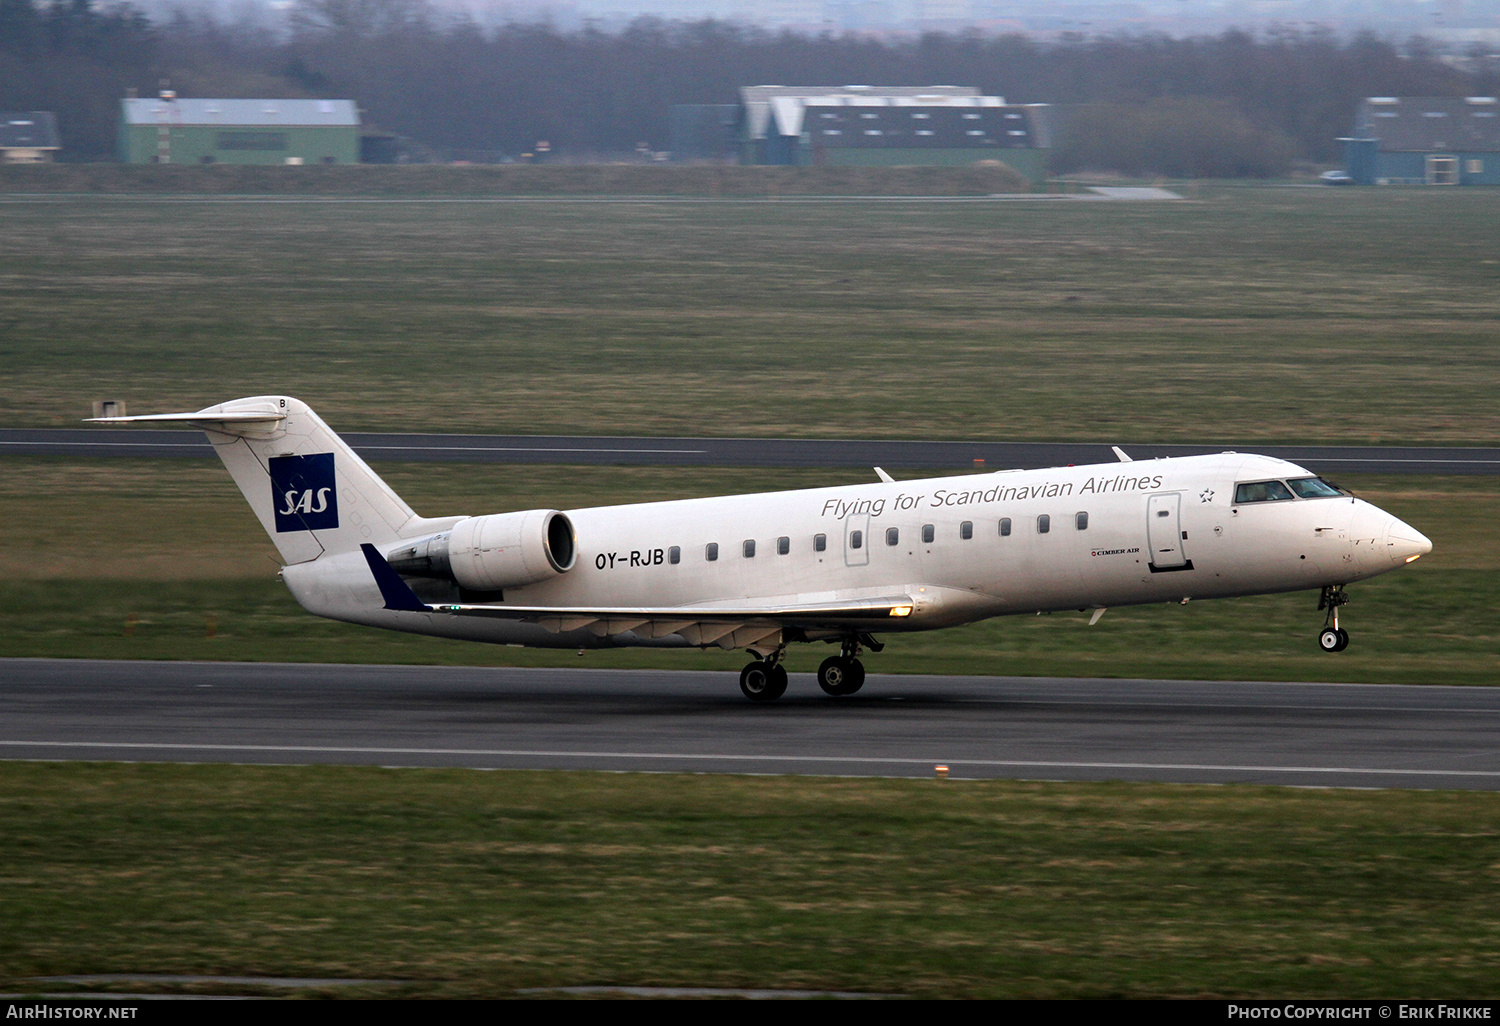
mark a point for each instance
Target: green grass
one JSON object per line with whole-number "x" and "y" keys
{"x": 162, "y": 560}
{"x": 468, "y": 884}
{"x": 1245, "y": 315}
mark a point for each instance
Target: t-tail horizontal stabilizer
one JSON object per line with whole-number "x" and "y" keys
{"x": 396, "y": 592}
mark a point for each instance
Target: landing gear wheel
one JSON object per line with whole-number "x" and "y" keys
{"x": 763, "y": 682}
{"x": 1333, "y": 638}
{"x": 841, "y": 675}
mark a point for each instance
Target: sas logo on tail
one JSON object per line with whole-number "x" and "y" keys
{"x": 303, "y": 493}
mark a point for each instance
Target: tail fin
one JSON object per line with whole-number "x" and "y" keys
{"x": 312, "y": 493}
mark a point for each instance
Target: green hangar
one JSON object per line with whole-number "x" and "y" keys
{"x": 1425, "y": 140}
{"x": 167, "y": 130}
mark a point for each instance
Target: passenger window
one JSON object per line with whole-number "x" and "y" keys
{"x": 1261, "y": 491}
{"x": 966, "y": 530}
{"x": 1081, "y": 521}
{"x": 856, "y": 539}
{"x": 674, "y": 555}
{"x": 749, "y": 548}
{"x": 1005, "y": 527}
{"x": 711, "y": 552}
{"x": 783, "y": 545}
{"x": 820, "y": 542}
{"x": 893, "y": 536}
{"x": 1043, "y": 524}
{"x": 929, "y": 532}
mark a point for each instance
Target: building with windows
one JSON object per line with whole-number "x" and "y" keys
{"x": 887, "y": 126}
{"x": 28, "y": 137}
{"x": 1428, "y": 140}
{"x": 168, "y": 130}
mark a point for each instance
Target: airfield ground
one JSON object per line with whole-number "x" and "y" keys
{"x": 470, "y": 884}
{"x": 1244, "y": 315}
{"x": 1247, "y": 314}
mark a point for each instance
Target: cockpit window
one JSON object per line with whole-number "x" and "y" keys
{"x": 1312, "y": 488}
{"x": 1261, "y": 491}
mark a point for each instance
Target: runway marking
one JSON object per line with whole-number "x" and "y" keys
{"x": 206, "y": 447}
{"x": 526, "y": 448}
{"x": 197, "y": 444}
{"x": 875, "y": 761}
{"x": 1384, "y": 459}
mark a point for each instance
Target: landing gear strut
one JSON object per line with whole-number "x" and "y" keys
{"x": 1332, "y": 638}
{"x": 842, "y": 674}
{"x": 765, "y": 679}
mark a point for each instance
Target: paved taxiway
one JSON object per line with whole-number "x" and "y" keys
{"x": 1346, "y": 735}
{"x": 752, "y": 452}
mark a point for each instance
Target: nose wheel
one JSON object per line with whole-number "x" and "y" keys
{"x": 1332, "y": 638}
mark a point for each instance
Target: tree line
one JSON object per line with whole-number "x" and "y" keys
{"x": 1232, "y": 104}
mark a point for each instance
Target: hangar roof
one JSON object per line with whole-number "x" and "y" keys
{"x": 1424, "y": 123}
{"x": 302, "y": 113}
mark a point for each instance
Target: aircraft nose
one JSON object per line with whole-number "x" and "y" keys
{"x": 1405, "y": 543}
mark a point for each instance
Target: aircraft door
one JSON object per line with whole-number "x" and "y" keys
{"x": 857, "y": 540}
{"x": 1164, "y": 532}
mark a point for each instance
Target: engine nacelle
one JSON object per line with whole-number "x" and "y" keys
{"x": 492, "y": 553}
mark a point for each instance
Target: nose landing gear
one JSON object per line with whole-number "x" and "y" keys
{"x": 1332, "y": 638}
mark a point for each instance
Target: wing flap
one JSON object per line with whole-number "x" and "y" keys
{"x": 731, "y": 626}
{"x": 791, "y": 613}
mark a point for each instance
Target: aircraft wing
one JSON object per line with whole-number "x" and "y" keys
{"x": 699, "y": 625}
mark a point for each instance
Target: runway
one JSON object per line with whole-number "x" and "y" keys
{"x": 754, "y": 452}
{"x": 1336, "y": 735}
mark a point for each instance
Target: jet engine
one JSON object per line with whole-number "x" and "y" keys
{"x": 492, "y": 553}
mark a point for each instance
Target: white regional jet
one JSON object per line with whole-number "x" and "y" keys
{"x": 760, "y": 572}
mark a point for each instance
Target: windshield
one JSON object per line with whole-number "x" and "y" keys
{"x": 1313, "y": 488}
{"x": 1261, "y": 491}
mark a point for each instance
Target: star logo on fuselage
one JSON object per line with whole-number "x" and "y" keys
{"x": 1207, "y": 495}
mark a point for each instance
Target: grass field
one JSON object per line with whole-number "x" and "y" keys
{"x": 1244, "y": 315}
{"x": 468, "y": 884}
{"x": 163, "y": 560}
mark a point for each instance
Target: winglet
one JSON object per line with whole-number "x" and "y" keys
{"x": 880, "y": 473}
{"x": 1121, "y": 454}
{"x": 396, "y": 592}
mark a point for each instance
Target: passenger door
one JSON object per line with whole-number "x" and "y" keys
{"x": 1164, "y": 532}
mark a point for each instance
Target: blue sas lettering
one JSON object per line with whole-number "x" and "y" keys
{"x": 304, "y": 496}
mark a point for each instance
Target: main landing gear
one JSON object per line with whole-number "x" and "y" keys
{"x": 842, "y": 674}
{"x": 1332, "y": 638}
{"x": 765, "y": 679}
